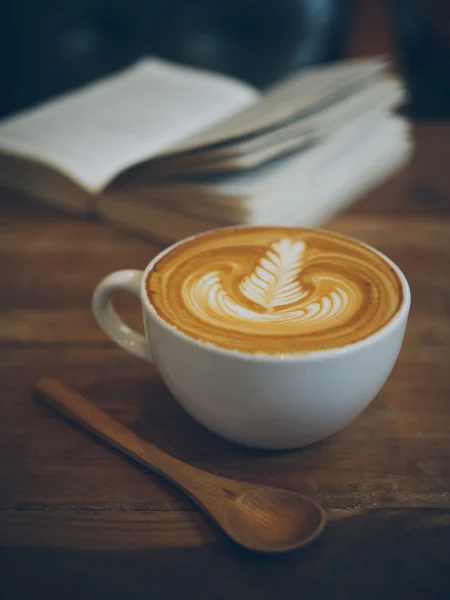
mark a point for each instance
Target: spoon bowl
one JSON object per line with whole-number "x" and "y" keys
{"x": 270, "y": 519}
{"x": 257, "y": 517}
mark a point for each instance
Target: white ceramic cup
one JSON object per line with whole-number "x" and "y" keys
{"x": 272, "y": 402}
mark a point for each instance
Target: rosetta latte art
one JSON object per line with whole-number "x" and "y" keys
{"x": 289, "y": 294}
{"x": 274, "y": 284}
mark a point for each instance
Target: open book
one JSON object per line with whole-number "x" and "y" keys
{"x": 171, "y": 150}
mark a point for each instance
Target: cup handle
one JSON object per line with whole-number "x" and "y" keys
{"x": 107, "y": 318}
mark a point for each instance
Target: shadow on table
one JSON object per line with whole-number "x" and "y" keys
{"x": 147, "y": 407}
{"x": 380, "y": 555}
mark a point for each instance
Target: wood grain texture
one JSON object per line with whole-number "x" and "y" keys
{"x": 382, "y": 554}
{"x": 396, "y": 453}
{"x": 77, "y": 521}
{"x": 260, "y": 518}
{"x": 65, "y": 498}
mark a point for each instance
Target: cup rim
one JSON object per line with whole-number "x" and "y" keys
{"x": 309, "y": 356}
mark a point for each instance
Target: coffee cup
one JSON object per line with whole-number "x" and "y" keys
{"x": 273, "y": 374}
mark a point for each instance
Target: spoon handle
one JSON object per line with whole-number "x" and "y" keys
{"x": 82, "y": 412}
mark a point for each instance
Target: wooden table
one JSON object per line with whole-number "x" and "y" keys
{"x": 79, "y": 521}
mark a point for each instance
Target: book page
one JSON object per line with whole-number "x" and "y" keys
{"x": 300, "y": 96}
{"x": 249, "y": 152}
{"x": 232, "y": 192}
{"x": 94, "y": 133}
{"x": 307, "y": 199}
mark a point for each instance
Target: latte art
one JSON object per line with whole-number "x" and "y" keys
{"x": 275, "y": 280}
{"x": 275, "y": 287}
{"x": 274, "y": 290}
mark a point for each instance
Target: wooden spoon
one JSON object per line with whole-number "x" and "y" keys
{"x": 258, "y": 517}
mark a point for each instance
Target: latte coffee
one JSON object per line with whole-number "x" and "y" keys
{"x": 274, "y": 290}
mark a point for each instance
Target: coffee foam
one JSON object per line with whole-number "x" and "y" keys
{"x": 274, "y": 290}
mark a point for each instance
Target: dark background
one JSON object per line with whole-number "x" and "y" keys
{"x": 49, "y": 46}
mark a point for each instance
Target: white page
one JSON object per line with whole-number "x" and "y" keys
{"x": 293, "y": 97}
{"x": 94, "y": 133}
{"x": 260, "y": 185}
{"x": 384, "y": 95}
{"x": 330, "y": 177}
{"x": 313, "y": 196}
{"x": 254, "y": 185}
